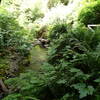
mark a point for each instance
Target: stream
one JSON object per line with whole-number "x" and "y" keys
{"x": 37, "y": 57}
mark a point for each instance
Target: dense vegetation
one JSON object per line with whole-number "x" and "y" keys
{"x": 60, "y": 28}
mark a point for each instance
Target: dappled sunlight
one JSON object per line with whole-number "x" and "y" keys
{"x": 58, "y": 12}
{"x": 62, "y": 12}
{"x": 50, "y": 50}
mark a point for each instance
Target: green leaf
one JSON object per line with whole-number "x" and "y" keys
{"x": 83, "y": 92}
{"x": 79, "y": 86}
{"x": 74, "y": 70}
{"x": 83, "y": 89}
{"x": 63, "y": 81}
{"x": 90, "y": 90}
{"x": 97, "y": 80}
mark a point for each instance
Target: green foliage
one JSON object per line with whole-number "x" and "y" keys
{"x": 90, "y": 14}
{"x": 79, "y": 40}
{"x": 76, "y": 57}
{"x": 30, "y": 85}
{"x": 52, "y": 3}
{"x": 65, "y": 2}
{"x": 4, "y": 66}
{"x": 13, "y": 40}
{"x": 6, "y": 2}
{"x": 18, "y": 96}
{"x": 73, "y": 72}
{"x": 13, "y": 97}
{"x": 83, "y": 90}
{"x": 73, "y": 68}
{"x": 12, "y": 36}
{"x": 26, "y": 12}
{"x": 33, "y": 14}
{"x": 57, "y": 30}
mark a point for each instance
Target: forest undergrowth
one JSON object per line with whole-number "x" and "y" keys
{"x": 50, "y": 50}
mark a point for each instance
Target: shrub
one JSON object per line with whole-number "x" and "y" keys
{"x": 76, "y": 60}
{"x": 82, "y": 41}
{"x": 30, "y": 86}
{"x": 33, "y": 14}
{"x": 72, "y": 72}
{"x": 12, "y": 36}
{"x": 90, "y": 14}
{"x": 57, "y": 30}
{"x": 27, "y": 14}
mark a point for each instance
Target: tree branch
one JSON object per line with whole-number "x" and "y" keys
{"x": 3, "y": 86}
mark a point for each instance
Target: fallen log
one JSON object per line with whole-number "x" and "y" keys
{"x": 42, "y": 42}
